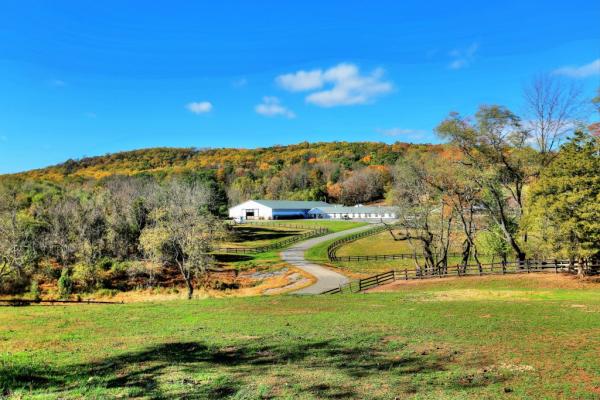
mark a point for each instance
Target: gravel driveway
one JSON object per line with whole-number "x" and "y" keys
{"x": 326, "y": 278}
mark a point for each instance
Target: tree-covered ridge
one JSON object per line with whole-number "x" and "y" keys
{"x": 167, "y": 160}
{"x": 341, "y": 172}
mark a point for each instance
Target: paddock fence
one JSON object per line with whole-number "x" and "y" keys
{"x": 500, "y": 268}
{"x": 335, "y": 245}
{"x": 273, "y": 246}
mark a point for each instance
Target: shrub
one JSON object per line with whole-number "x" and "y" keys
{"x": 65, "y": 284}
{"x": 85, "y": 276}
{"x": 34, "y": 291}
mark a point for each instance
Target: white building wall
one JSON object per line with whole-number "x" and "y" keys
{"x": 241, "y": 211}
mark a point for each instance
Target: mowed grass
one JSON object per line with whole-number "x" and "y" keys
{"x": 382, "y": 244}
{"x": 498, "y": 337}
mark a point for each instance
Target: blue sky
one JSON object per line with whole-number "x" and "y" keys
{"x": 83, "y": 78}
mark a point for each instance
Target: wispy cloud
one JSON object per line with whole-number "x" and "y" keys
{"x": 271, "y": 107}
{"x": 57, "y": 83}
{"x": 238, "y": 83}
{"x": 462, "y": 58}
{"x": 201, "y": 107}
{"x": 582, "y": 71}
{"x": 346, "y": 85}
{"x": 394, "y": 132}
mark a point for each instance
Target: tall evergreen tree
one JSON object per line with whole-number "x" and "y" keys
{"x": 567, "y": 199}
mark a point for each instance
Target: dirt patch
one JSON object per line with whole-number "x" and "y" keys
{"x": 296, "y": 281}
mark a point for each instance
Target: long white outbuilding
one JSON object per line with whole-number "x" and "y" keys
{"x": 356, "y": 212}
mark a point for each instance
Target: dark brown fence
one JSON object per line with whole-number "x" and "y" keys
{"x": 500, "y": 268}
{"x": 381, "y": 257}
{"x": 334, "y": 246}
{"x": 273, "y": 246}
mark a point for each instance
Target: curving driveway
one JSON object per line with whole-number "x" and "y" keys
{"x": 326, "y": 278}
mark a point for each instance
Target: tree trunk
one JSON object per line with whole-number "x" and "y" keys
{"x": 581, "y": 268}
{"x": 190, "y": 288}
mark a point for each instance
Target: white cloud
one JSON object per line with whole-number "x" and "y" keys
{"x": 402, "y": 132}
{"x": 201, "y": 107}
{"x": 583, "y": 71}
{"x": 271, "y": 107}
{"x": 347, "y": 85}
{"x": 301, "y": 80}
{"x": 463, "y": 57}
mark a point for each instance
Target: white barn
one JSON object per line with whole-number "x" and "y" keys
{"x": 273, "y": 209}
{"x": 356, "y": 212}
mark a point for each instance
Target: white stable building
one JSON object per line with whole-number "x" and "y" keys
{"x": 356, "y": 212}
{"x": 273, "y": 209}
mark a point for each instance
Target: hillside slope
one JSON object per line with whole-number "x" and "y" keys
{"x": 341, "y": 171}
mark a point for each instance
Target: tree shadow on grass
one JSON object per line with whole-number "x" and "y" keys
{"x": 255, "y": 234}
{"x": 147, "y": 371}
{"x": 227, "y": 258}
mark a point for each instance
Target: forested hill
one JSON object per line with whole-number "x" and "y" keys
{"x": 168, "y": 159}
{"x": 341, "y": 171}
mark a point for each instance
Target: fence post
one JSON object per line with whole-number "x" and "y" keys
{"x": 555, "y": 266}
{"x": 527, "y": 265}
{"x": 503, "y": 268}
{"x": 405, "y": 274}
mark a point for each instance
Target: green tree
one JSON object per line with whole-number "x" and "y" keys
{"x": 567, "y": 199}
{"x": 495, "y": 148}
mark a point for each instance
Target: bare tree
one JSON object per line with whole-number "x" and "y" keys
{"x": 424, "y": 216}
{"x": 182, "y": 231}
{"x": 554, "y": 107}
{"x": 16, "y": 252}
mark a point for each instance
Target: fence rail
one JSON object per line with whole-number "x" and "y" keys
{"x": 273, "y": 246}
{"x": 500, "y": 268}
{"x": 334, "y": 246}
{"x": 373, "y": 257}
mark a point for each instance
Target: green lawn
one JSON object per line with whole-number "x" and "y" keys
{"x": 461, "y": 339}
{"x": 380, "y": 244}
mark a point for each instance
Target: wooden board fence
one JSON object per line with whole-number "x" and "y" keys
{"x": 500, "y": 268}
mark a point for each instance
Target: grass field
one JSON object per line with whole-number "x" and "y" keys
{"x": 498, "y": 337}
{"x": 379, "y": 244}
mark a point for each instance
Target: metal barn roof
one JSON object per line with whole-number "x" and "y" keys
{"x": 291, "y": 204}
{"x": 352, "y": 210}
